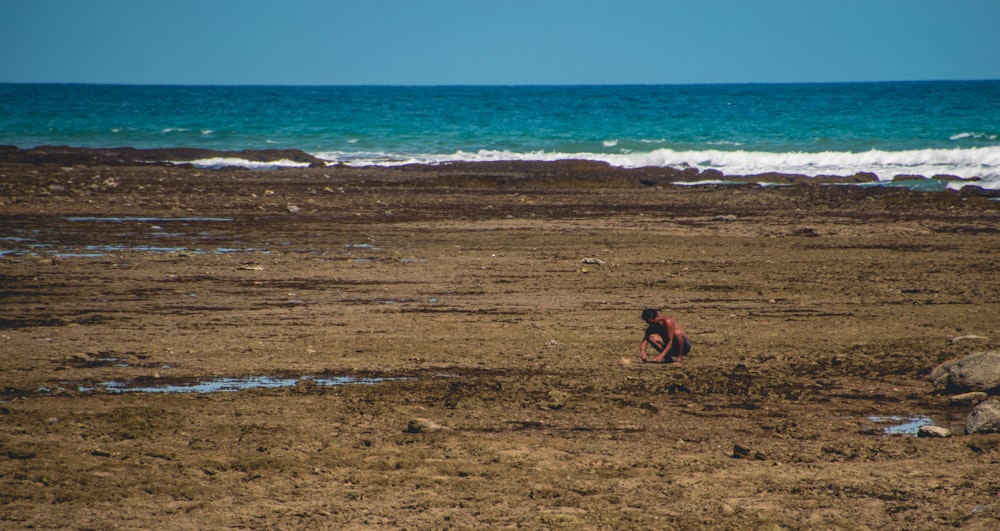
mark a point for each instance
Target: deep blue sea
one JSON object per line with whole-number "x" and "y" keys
{"x": 925, "y": 128}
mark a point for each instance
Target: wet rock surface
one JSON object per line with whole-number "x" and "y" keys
{"x": 457, "y": 293}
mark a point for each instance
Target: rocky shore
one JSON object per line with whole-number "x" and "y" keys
{"x": 457, "y": 347}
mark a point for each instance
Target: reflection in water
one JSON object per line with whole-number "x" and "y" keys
{"x": 900, "y": 425}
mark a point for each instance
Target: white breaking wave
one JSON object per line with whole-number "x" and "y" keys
{"x": 223, "y": 162}
{"x": 974, "y": 136}
{"x": 972, "y": 163}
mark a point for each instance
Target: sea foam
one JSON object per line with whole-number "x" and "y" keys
{"x": 970, "y": 163}
{"x": 223, "y": 162}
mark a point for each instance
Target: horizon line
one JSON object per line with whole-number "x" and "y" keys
{"x": 490, "y": 85}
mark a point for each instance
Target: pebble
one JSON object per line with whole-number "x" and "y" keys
{"x": 742, "y": 452}
{"x": 967, "y": 337}
{"x": 422, "y": 425}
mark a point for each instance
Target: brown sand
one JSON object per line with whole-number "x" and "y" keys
{"x": 521, "y": 401}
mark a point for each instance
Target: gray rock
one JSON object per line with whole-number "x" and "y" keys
{"x": 967, "y": 399}
{"x": 975, "y": 372}
{"x": 933, "y": 432}
{"x": 985, "y": 418}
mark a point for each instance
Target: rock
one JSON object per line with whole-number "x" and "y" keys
{"x": 421, "y": 425}
{"x": 728, "y": 218}
{"x": 292, "y": 209}
{"x": 985, "y": 418}
{"x": 557, "y": 399}
{"x": 742, "y": 452}
{"x": 968, "y": 337}
{"x": 933, "y": 432}
{"x": 969, "y": 399}
{"x": 865, "y": 177}
{"x": 975, "y": 372}
{"x": 592, "y": 261}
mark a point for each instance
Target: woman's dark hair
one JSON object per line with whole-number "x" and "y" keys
{"x": 648, "y": 314}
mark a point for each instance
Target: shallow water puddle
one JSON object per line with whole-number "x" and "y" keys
{"x": 32, "y": 242}
{"x": 99, "y": 251}
{"x": 229, "y": 385}
{"x": 901, "y": 425}
{"x": 361, "y": 246}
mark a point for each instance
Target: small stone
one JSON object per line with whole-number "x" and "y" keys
{"x": 557, "y": 399}
{"x": 933, "y": 432}
{"x": 969, "y": 337}
{"x": 740, "y": 452}
{"x": 422, "y": 425}
{"x": 292, "y": 209}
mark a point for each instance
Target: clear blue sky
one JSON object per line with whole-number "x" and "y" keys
{"x": 496, "y": 42}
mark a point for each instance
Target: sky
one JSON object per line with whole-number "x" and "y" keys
{"x": 496, "y": 42}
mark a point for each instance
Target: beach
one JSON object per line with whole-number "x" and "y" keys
{"x": 456, "y": 346}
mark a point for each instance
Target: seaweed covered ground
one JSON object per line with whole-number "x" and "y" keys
{"x": 457, "y": 347}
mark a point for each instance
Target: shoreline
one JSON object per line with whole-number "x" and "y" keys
{"x": 650, "y": 175}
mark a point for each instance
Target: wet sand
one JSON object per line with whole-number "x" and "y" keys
{"x": 487, "y": 317}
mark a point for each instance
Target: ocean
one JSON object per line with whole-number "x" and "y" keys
{"x": 889, "y": 129}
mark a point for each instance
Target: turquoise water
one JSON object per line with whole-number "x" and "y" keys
{"x": 924, "y": 128}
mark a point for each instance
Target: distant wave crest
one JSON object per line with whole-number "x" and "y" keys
{"x": 974, "y": 136}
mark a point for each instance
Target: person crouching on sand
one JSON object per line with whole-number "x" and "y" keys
{"x": 666, "y": 336}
